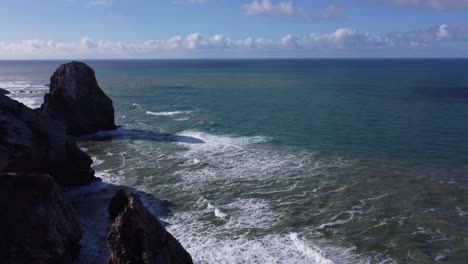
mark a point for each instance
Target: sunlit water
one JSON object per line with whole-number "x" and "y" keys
{"x": 289, "y": 161}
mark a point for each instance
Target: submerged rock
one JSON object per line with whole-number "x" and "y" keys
{"x": 137, "y": 237}
{"x": 34, "y": 143}
{"x": 3, "y": 91}
{"x": 37, "y": 225}
{"x": 76, "y": 99}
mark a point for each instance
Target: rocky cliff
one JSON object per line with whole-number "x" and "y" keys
{"x": 36, "y": 224}
{"x": 34, "y": 143}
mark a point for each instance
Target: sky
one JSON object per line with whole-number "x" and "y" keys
{"x": 152, "y": 29}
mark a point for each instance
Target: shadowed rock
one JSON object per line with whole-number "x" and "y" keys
{"x": 76, "y": 99}
{"x": 3, "y": 91}
{"x": 117, "y": 203}
{"x": 36, "y": 224}
{"x": 34, "y": 143}
{"x": 138, "y": 237}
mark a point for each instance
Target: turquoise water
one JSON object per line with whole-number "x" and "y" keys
{"x": 289, "y": 161}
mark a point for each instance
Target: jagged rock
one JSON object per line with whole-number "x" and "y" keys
{"x": 3, "y": 91}
{"x": 34, "y": 143}
{"x": 137, "y": 237}
{"x": 76, "y": 99}
{"x": 117, "y": 204}
{"x": 36, "y": 224}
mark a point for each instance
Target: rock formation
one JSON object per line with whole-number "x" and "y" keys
{"x": 37, "y": 225}
{"x": 118, "y": 203}
{"x": 137, "y": 237}
{"x": 34, "y": 143}
{"x": 76, "y": 99}
{"x": 3, "y": 91}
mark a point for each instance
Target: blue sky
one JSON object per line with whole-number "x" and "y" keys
{"x": 64, "y": 29}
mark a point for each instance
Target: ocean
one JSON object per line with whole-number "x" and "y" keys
{"x": 287, "y": 161}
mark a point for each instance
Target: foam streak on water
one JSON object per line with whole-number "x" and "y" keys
{"x": 25, "y": 92}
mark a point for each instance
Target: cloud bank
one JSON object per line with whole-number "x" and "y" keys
{"x": 344, "y": 42}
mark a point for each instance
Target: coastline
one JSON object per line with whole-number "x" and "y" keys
{"x": 41, "y": 142}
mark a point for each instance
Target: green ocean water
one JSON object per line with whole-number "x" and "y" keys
{"x": 289, "y": 161}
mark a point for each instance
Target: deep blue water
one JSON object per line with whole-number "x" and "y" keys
{"x": 290, "y": 161}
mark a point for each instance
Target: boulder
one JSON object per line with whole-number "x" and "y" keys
{"x": 137, "y": 237}
{"x": 36, "y": 224}
{"x": 34, "y": 143}
{"x": 76, "y": 100}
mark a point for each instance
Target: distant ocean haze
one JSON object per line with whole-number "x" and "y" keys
{"x": 288, "y": 161}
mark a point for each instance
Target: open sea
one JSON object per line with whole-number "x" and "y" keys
{"x": 287, "y": 161}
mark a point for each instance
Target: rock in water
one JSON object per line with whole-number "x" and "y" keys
{"x": 137, "y": 237}
{"x": 76, "y": 99}
{"x": 37, "y": 225}
{"x": 34, "y": 143}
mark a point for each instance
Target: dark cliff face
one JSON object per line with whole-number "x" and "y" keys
{"x": 36, "y": 224}
{"x": 138, "y": 237}
{"x": 34, "y": 143}
{"x": 76, "y": 100}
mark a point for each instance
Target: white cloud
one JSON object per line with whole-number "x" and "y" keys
{"x": 266, "y": 7}
{"x": 443, "y": 32}
{"x": 443, "y": 38}
{"x": 432, "y": 4}
{"x": 291, "y": 10}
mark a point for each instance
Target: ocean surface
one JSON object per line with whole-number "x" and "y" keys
{"x": 288, "y": 161}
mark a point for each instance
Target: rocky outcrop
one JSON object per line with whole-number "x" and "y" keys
{"x": 137, "y": 237}
{"x": 3, "y": 91}
{"x": 117, "y": 204}
{"x": 76, "y": 99}
{"x": 34, "y": 143}
{"x": 36, "y": 224}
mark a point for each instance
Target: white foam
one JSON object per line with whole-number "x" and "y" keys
{"x": 172, "y": 113}
{"x": 217, "y": 212}
{"x": 310, "y": 250}
{"x": 222, "y": 140}
{"x": 208, "y": 243}
{"x": 250, "y": 213}
{"x": 25, "y": 92}
{"x": 460, "y": 211}
{"x": 229, "y": 156}
{"x": 96, "y": 161}
{"x": 29, "y": 102}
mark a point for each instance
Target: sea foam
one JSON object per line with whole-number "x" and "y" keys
{"x": 171, "y": 113}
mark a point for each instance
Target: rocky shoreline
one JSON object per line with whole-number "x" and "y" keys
{"x": 39, "y": 157}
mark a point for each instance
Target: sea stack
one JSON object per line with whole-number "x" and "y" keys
{"x": 76, "y": 100}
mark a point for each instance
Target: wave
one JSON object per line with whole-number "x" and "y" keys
{"x": 172, "y": 113}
